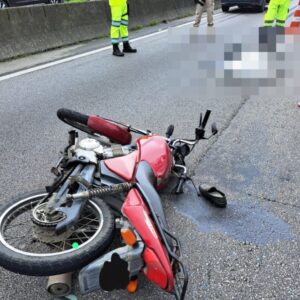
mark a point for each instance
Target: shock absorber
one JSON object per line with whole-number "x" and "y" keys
{"x": 100, "y": 191}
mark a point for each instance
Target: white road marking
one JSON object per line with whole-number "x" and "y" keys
{"x": 64, "y": 60}
{"x": 77, "y": 56}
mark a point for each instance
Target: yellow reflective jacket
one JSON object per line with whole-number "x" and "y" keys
{"x": 117, "y": 2}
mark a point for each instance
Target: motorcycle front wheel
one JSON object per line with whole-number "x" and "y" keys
{"x": 34, "y": 250}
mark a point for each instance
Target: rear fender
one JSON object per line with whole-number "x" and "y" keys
{"x": 157, "y": 263}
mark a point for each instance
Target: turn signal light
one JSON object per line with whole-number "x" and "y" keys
{"x": 132, "y": 286}
{"x": 128, "y": 236}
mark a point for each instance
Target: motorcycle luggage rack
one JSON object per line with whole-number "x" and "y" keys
{"x": 180, "y": 283}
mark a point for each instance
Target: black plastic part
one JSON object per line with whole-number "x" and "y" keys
{"x": 200, "y": 121}
{"x": 214, "y": 128}
{"x": 205, "y": 119}
{"x": 73, "y": 134}
{"x": 179, "y": 187}
{"x": 183, "y": 149}
{"x": 199, "y": 132}
{"x": 107, "y": 176}
{"x": 170, "y": 131}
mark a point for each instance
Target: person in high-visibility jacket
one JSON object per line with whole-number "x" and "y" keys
{"x": 119, "y": 27}
{"x": 277, "y": 9}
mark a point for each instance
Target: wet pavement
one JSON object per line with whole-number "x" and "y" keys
{"x": 243, "y": 219}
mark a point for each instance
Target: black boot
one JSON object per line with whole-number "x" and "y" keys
{"x": 127, "y": 48}
{"x": 117, "y": 51}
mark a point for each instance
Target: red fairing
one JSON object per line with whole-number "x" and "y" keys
{"x": 156, "y": 152}
{"x": 152, "y": 149}
{"x": 114, "y": 132}
{"x": 158, "y": 268}
{"x": 123, "y": 166}
{"x": 154, "y": 271}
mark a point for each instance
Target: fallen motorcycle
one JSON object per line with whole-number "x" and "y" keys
{"x": 105, "y": 187}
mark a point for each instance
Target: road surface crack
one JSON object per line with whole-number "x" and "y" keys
{"x": 273, "y": 200}
{"x": 227, "y": 124}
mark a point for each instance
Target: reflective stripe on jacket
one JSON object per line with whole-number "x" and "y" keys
{"x": 117, "y": 2}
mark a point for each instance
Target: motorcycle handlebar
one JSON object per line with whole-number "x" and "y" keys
{"x": 205, "y": 119}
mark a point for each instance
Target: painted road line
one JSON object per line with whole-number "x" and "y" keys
{"x": 71, "y": 58}
{"x": 85, "y": 54}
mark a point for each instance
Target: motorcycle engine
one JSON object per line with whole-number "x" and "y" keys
{"x": 91, "y": 145}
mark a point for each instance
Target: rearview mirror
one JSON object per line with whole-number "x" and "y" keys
{"x": 214, "y": 129}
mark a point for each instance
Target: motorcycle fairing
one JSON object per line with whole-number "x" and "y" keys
{"x": 139, "y": 216}
{"x": 156, "y": 152}
{"x": 152, "y": 149}
{"x": 147, "y": 180}
{"x": 123, "y": 166}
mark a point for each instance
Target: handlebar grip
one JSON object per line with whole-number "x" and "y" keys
{"x": 206, "y": 117}
{"x": 179, "y": 188}
{"x": 170, "y": 131}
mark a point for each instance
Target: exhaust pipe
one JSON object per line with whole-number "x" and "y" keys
{"x": 59, "y": 285}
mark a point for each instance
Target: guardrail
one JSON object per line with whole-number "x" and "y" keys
{"x": 34, "y": 29}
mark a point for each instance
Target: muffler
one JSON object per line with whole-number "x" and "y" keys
{"x": 60, "y": 285}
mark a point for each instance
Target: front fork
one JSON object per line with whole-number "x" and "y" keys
{"x": 82, "y": 176}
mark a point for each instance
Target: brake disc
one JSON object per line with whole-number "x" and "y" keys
{"x": 45, "y": 224}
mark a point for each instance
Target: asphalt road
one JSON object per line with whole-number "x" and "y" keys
{"x": 251, "y": 249}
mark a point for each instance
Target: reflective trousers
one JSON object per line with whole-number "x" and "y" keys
{"x": 119, "y": 23}
{"x": 277, "y": 10}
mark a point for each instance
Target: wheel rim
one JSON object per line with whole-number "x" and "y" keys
{"x": 18, "y": 217}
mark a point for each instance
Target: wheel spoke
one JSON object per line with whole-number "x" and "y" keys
{"x": 14, "y": 225}
{"x": 16, "y": 238}
{"x": 18, "y": 230}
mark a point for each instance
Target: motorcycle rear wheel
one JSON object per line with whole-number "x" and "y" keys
{"x": 73, "y": 255}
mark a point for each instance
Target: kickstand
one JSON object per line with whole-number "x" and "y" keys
{"x": 192, "y": 181}
{"x": 178, "y": 189}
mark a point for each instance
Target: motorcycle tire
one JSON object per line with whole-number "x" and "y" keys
{"x": 37, "y": 264}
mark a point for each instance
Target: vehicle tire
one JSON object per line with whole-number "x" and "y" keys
{"x": 225, "y": 8}
{"x": 261, "y": 8}
{"x": 3, "y": 4}
{"x": 41, "y": 264}
{"x": 54, "y": 1}
{"x": 74, "y": 119}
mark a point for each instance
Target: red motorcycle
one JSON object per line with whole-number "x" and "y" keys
{"x": 104, "y": 194}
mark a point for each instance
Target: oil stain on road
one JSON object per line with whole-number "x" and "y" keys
{"x": 243, "y": 219}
